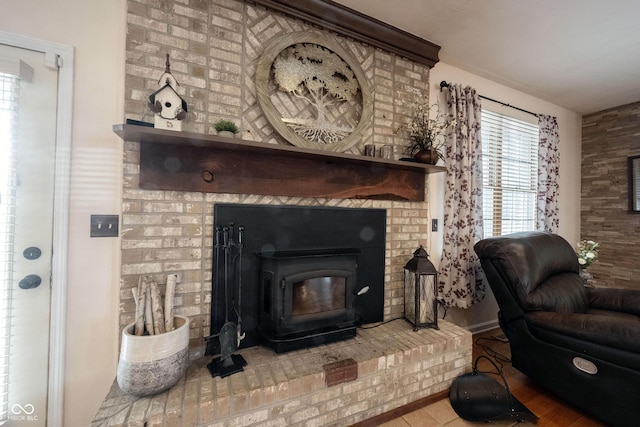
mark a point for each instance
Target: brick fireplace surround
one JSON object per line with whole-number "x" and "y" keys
{"x": 214, "y": 47}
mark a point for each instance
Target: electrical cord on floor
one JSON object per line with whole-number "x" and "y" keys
{"x": 378, "y": 324}
{"x": 444, "y": 308}
{"x": 497, "y": 356}
{"x": 391, "y": 320}
{"x": 497, "y": 359}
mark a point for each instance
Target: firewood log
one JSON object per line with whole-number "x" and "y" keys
{"x": 156, "y": 309}
{"x": 148, "y": 313}
{"x": 138, "y": 297}
{"x": 169, "y": 294}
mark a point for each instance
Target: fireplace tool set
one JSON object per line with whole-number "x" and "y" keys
{"x": 228, "y": 262}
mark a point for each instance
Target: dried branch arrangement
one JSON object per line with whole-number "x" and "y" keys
{"x": 152, "y": 316}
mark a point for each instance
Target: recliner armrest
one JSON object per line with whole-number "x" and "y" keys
{"x": 619, "y": 332}
{"x": 615, "y": 299}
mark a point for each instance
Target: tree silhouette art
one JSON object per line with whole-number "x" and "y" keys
{"x": 320, "y": 77}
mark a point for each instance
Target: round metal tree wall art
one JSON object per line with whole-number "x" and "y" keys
{"x": 319, "y": 76}
{"x": 312, "y": 92}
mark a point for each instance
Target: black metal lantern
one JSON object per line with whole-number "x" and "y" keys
{"x": 420, "y": 291}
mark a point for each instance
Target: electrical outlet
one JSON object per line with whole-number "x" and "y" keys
{"x": 104, "y": 225}
{"x": 434, "y": 225}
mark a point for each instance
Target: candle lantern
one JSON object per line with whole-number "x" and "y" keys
{"x": 420, "y": 291}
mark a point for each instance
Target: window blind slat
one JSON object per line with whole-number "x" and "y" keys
{"x": 510, "y": 173}
{"x": 9, "y": 103}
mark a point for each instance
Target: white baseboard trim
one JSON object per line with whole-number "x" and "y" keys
{"x": 483, "y": 327}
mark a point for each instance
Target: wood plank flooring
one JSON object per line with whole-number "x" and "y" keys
{"x": 551, "y": 411}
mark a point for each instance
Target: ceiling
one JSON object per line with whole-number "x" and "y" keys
{"x": 583, "y": 55}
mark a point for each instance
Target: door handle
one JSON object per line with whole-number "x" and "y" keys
{"x": 32, "y": 253}
{"x": 29, "y": 282}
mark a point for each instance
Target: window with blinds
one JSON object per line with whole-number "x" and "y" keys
{"x": 510, "y": 173}
{"x": 9, "y": 101}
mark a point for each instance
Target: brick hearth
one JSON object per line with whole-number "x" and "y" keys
{"x": 395, "y": 366}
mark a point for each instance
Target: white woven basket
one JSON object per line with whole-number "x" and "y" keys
{"x": 150, "y": 364}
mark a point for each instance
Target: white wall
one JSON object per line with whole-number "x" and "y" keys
{"x": 484, "y": 314}
{"x": 97, "y": 31}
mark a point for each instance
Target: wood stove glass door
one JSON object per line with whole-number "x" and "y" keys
{"x": 317, "y": 295}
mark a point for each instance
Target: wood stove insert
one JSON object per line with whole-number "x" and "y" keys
{"x": 306, "y": 297}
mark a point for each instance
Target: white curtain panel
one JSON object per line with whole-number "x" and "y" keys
{"x": 547, "y": 217}
{"x": 460, "y": 277}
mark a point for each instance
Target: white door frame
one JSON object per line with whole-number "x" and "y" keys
{"x": 62, "y": 56}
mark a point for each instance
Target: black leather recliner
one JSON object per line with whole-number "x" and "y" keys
{"x": 582, "y": 344}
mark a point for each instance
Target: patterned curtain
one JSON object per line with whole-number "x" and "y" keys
{"x": 547, "y": 218}
{"x": 460, "y": 277}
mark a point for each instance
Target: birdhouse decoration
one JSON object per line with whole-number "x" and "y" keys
{"x": 169, "y": 107}
{"x": 421, "y": 291}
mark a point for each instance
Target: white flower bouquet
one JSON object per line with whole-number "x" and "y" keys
{"x": 587, "y": 252}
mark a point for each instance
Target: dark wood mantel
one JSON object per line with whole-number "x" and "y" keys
{"x": 185, "y": 161}
{"x": 351, "y": 23}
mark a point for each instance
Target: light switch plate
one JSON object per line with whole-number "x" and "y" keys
{"x": 104, "y": 225}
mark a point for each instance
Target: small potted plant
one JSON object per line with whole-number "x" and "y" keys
{"x": 426, "y": 134}
{"x": 226, "y": 128}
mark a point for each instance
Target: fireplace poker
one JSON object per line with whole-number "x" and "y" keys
{"x": 238, "y": 307}
{"x": 225, "y": 248}
{"x": 216, "y": 264}
{"x": 230, "y": 333}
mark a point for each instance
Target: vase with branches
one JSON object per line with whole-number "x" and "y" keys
{"x": 426, "y": 131}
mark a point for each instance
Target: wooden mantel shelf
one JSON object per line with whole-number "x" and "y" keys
{"x": 185, "y": 161}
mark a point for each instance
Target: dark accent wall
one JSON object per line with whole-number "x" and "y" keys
{"x": 608, "y": 138}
